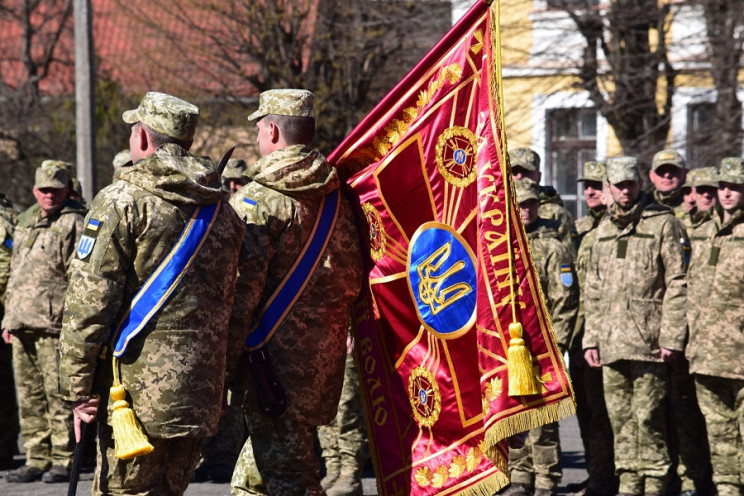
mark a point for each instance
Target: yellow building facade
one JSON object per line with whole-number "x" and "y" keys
{"x": 546, "y": 111}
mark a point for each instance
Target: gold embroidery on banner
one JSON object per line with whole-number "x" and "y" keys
{"x": 424, "y": 395}
{"x": 430, "y": 288}
{"x": 456, "y": 155}
{"x": 477, "y": 47}
{"x": 459, "y": 465}
{"x": 376, "y": 232}
{"x": 423, "y": 476}
{"x": 396, "y": 128}
{"x": 440, "y": 476}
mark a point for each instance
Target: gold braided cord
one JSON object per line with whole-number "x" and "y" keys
{"x": 497, "y": 77}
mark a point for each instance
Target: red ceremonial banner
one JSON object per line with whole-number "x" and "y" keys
{"x": 449, "y": 276}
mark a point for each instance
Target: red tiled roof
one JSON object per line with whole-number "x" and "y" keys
{"x": 138, "y": 44}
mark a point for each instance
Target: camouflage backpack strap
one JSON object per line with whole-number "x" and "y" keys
{"x": 284, "y": 297}
{"x": 165, "y": 278}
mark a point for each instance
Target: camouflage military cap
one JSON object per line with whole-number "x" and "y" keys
{"x": 704, "y": 176}
{"x": 292, "y": 102}
{"x": 76, "y": 187}
{"x": 56, "y": 164}
{"x": 732, "y": 170}
{"x": 667, "y": 157}
{"x": 621, "y": 169}
{"x": 525, "y": 158}
{"x": 594, "y": 171}
{"x": 122, "y": 159}
{"x": 51, "y": 177}
{"x": 165, "y": 114}
{"x": 234, "y": 168}
{"x": 526, "y": 189}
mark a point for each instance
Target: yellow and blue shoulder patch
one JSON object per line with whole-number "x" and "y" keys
{"x": 567, "y": 278}
{"x": 88, "y": 239}
{"x": 249, "y": 203}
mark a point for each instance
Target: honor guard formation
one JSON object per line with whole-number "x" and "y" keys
{"x": 196, "y": 316}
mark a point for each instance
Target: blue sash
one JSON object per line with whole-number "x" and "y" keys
{"x": 163, "y": 281}
{"x": 278, "y": 306}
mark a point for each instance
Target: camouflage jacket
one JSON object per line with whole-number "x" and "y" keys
{"x": 715, "y": 315}
{"x": 554, "y": 265}
{"x": 174, "y": 369}
{"x": 551, "y": 207}
{"x": 7, "y": 224}
{"x": 308, "y": 349}
{"x": 676, "y": 203}
{"x": 42, "y": 250}
{"x": 635, "y": 294}
{"x": 586, "y": 229}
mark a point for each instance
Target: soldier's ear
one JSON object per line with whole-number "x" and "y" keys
{"x": 274, "y": 132}
{"x": 143, "y": 138}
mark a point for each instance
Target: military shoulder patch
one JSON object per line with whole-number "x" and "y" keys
{"x": 567, "y": 278}
{"x": 88, "y": 239}
{"x": 249, "y": 203}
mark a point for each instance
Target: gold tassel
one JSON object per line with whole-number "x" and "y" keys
{"x": 522, "y": 380}
{"x": 129, "y": 439}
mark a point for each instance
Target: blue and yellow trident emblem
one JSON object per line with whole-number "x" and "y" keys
{"x": 442, "y": 280}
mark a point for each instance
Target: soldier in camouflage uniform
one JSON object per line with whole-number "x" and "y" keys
{"x": 121, "y": 160}
{"x": 704, "y": 183}
{"x": 591, "y": 410}
{"x": 687, "y": 425}
{"x": 635, "y": 298}
{"x": 343, "y": 441}
{"x": 232, "y": 176}
{"x": 174, "y": 370}
{"x": 715, "y": 317}
{"x": 526, "y": 163}
{"x": 279, "y": 206}
{"x": 8, "y": 407}
{"x": 538, "y": 463}
{"x": 44, "y": 242}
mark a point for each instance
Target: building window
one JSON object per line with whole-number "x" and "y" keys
{"x": 700, "y": 135}
{"x": 571, "y": 141}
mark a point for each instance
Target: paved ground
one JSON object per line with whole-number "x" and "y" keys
{"x": 573, "y": 474}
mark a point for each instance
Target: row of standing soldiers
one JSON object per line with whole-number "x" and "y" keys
{"x": 74, "y": 274}
{"x": 647, "y": 298}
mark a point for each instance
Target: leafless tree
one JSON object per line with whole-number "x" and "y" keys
{"x": 724, "y": 21}
{"x": 349, "y": 52}
{"x": 625, "y": 56}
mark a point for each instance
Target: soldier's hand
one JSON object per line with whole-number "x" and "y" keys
{"x": 670, "y": 356}
{"x": 591, "y": 355}
{"x": 84, "y": 411}
{"x": 7, "y": 337}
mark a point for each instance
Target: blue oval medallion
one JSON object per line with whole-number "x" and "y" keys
{"x": 442, "y": 278}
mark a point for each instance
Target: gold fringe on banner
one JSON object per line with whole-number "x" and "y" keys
{"x": 129, "y": 438}
{"x": 529, "y": 419}
{"x": 488, "y": 487}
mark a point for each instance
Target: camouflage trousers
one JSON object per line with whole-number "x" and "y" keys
{"x": 538, "y": 462}
{"x": 45, "y": 418}
{"x": 594, "y": 425}
{"x": 8, "y": 407}
{"x": 164, "y": 472}
{"x": 722, "y": 403}
{"x": 687, "y": 436}
{"x": 343, "y": 441}
{"x": 284, "y": 455}
{"x": 245, "y": 478}
{"x": 223, "y": 448}
{"x": 635, "y": 393}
